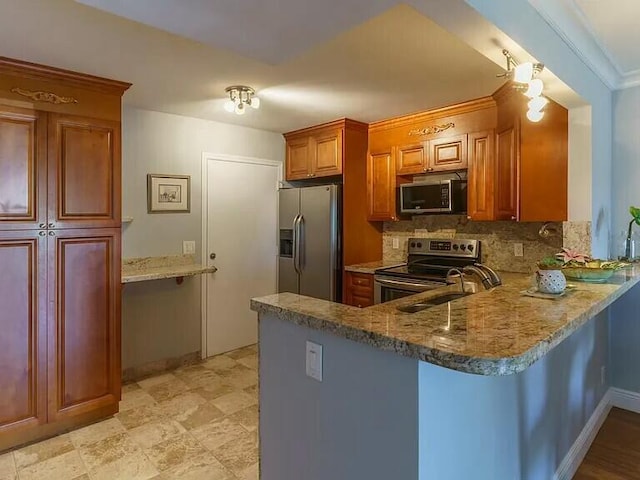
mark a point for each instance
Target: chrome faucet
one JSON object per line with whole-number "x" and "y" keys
{"x": 496, "y": 281}
{"x": 481, "y": 274}
{"x": 460, "y": 275}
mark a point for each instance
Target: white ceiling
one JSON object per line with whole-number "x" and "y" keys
{"x": 359, "y": 66}
{"x": 604, "y": 33}
{"x": 615, "y": 25}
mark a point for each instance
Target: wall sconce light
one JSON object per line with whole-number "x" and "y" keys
{"x": 523, "y": 74}
{"x": 240, "y": 97}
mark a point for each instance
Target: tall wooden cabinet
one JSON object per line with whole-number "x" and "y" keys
{"x": 59, "y": 250}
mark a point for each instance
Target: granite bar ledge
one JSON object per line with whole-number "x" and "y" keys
{"x": 497, "y": 332}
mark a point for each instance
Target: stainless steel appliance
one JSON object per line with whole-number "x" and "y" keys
{"x": 428, "y": 264}
{"x": 309, "y": 242}
{"x": 435, "y": 196}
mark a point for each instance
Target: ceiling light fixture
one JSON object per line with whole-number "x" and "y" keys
{"x": 523, "y": 75}
{"x": 240, "y": 97}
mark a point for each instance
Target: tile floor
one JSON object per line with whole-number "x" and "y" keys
{"x": 198, "y": 423}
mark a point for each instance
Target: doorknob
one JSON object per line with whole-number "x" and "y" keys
{"x": 212, "y": 256}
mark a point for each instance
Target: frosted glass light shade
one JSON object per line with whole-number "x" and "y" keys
{"x": 230, "y": 106}
{"x": 537, "y": 104}
{"x": 255, "y": 102}
{"x": 523, "y": 73}
{"x": 535, "y": 88}
{"x": 240, "y": 109}
{"x": 535, "y": 115}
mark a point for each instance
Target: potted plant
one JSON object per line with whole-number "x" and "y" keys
{"x": 629, "y": 247}
{"x": 581, "y": 267}
{"x": 549, "y": 277}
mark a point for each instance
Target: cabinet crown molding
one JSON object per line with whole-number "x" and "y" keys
{"x": 342, "y": 123}
{"x": 19, "y": 68}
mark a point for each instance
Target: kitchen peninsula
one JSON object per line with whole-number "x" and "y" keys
{"x": 522, "y": 377}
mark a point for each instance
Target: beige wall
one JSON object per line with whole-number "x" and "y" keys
{"x": 161, "y": 319}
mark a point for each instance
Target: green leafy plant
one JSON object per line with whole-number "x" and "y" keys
{"x": 550, "y": 263}
{"x": 635, "y": 218}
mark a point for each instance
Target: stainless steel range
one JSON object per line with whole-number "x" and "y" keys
{"x": 429, "y": 265}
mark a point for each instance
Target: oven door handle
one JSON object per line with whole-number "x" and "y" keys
{"x": 406, "y": 285}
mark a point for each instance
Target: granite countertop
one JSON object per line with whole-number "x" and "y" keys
{"x": 158, "y": 268}
{"x": 371, "y": 267}
{"x": 495, "y": 332}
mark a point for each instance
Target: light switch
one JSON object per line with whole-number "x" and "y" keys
{"x": 518, "y": 250}
{"x": 188, "y": 247}
{"x": 396, "y": 243}
{"x": 314, "y": 361}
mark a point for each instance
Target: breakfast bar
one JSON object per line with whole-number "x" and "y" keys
{"x": 504, "y": 380}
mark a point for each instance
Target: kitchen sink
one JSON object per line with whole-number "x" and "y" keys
{"x": 432, "y": 302}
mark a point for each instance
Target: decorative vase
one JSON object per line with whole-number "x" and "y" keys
{"x": 551, "y": 281}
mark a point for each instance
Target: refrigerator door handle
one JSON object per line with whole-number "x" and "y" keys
{"x": 296, "y": 250}
{"x": 301, "y": 247}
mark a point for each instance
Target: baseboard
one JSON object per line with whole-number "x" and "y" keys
{"x": 133, "y": 374}
{"x": 625, "y": 399}
{"x": 572, "y": 460}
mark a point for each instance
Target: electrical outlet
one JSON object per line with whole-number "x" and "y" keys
{"x": 188, "y": 247}
{"x": 603, "y": 375}
{"x": 395, "y": 241}
{"x": 518, "y": 250}
{"x": 314, "y": 361}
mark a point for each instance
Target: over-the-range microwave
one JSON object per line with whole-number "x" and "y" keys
{"x": 437, "y": 196}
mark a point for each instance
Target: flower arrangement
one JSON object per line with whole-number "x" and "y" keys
{"x": 579, "y": 266}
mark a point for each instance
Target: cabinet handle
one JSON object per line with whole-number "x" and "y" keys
{"x": 430, "y": 169}
{"x": 42, "y": 225}
{"x": 42, "y": 234}
{"x": 52, "y": 234}
{"x": 468, "y": 217}
{"x": 51, "y": 225}
{"x": 513, "y": 217}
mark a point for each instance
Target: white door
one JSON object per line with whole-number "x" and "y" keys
{"x": 241, "y": 218}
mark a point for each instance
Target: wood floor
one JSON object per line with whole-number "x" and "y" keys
{"x": 615, "y": 453}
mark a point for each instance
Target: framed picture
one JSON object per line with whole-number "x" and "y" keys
{"x": 168, "y": 193}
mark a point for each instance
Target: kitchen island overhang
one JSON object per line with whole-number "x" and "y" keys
{"x": 384, "y": 407}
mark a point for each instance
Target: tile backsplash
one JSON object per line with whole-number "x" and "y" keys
{"x": 498, "y": 239}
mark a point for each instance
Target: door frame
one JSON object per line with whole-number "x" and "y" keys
{"x": 204, "y": 241}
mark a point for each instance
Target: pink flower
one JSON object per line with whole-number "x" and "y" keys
{"x": 572, "y": 256}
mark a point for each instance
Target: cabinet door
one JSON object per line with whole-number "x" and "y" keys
{"x": 359, "y": 289}
{"x": 298, "y": 159}
{"x": 327, "y": 157}
{"x": 23, "y": 176}
{"x": 84, "y": 321}
{"x": 412, "y": 159}
{"x": 481, "y": 176}
{"x": 23, "y": 348}
{"x": 381, "y": 186}
{"x": 506, "y": 187}
{"x": 84, "y": 172}
{"x": 448, "y": 154}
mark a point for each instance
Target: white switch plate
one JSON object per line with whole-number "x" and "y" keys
{"x": 314, "y": 361}
{"x": 518, "y": 250}
{"x": 395, "y": 243}
{"x": 189, "y": 247}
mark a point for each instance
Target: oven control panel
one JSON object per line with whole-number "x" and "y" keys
{"x": 455, "y": 247}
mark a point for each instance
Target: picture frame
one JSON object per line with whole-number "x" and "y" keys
{"x": 168, "y": 193}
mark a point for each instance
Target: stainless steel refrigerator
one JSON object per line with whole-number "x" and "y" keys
{"x": 309, "y": 242}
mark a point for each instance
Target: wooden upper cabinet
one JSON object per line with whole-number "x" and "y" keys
{"x": 84, "y": 172}
{"x": 381, "y": 186}
{"x": 298, "y": 164}
{"x": 23, "y": 140}
{"x": 315, "y": 152}
{"x": 481, "y": 176}
{"x": 506, "y": 176}
{"x": 448, "y": 154}
{"x": 412, "y": 159}
{"x": 327, "y": 158}
{"x": 84, "y": 321}
{"x": 23, "y": 339}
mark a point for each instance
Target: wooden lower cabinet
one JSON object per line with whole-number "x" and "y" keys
{"x": 60, "y": 318}
{"x": 23, "y": 348}
{"x": 359, "y": 289}
{"x": 84, "y": 321}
